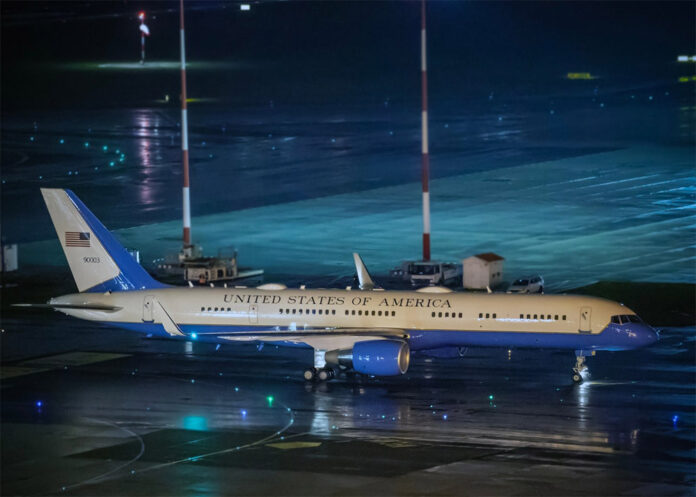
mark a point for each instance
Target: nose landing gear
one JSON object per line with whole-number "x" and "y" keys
{"x": 580, "y": 371}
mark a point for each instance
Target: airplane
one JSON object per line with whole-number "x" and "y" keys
{"x": 367, "y": 330}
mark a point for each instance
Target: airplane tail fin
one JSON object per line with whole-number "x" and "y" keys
{"x": 98, "y": 262}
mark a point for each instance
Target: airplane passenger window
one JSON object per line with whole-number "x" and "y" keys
{"x": 555, "y": 317}
{"x": 359, "y": 313}
{"x": 346, "y": 312}
{"x": 488, "y": 315}
{"x": 202, "y": 308}
{"x": 564, "y": 318}
{"x": 293, "y": 311}
{"x": 521, "y": 316}
{"x": 216, "y": 309}
{"x": 393, "y": 313}
{"x": 333, "y": 311}
{"x": 319, "y": 311}
{"x": 528, "y": 317}
{"x": 281, "y": 311}
{"x": 229, "y": 309}
{"x": 460, "y": 315}
{"x": 447, "y": 314}
{"x": 480, "y": 315}
{"x": 353, "y": 312}
{"x": 373, "y": 313}
{"x": 439, "y": 314}
{"x": 494, "y": 316}
{"x": 379, "y": 313}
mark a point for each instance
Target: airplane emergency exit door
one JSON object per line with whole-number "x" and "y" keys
{"x": 149, "y": 309}
{"x": 585, "y": 320}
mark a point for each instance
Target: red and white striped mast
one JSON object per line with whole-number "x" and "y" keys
{"x": 425, "y": 157}
{"x": 184, "y": 133}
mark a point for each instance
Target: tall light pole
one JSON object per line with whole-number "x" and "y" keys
{"x": 144, "y": 31}
{"x": 425, "y": 157}
{"x": 184, "y": 135}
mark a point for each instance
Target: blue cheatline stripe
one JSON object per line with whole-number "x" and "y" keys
{"x": 132, "y": 275}
{"x": 611, "y": 338}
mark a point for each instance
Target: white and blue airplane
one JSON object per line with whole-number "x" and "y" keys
{"x": 367, "y": 330}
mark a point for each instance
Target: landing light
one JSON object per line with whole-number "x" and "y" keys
{"x": 245, "y": 7}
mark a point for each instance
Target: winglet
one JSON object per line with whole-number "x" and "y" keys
{"x": 364, "y": 277}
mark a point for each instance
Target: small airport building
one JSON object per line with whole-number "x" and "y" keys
{"x": 482, "y": 270}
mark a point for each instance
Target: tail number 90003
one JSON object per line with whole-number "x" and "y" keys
{"x": 90, "y": 260}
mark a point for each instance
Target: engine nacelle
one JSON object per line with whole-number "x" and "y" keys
{"x": 374, "y": 357}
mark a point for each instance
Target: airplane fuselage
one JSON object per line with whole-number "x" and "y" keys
{"x": 427, "y": 319}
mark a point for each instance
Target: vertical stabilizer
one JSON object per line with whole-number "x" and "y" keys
{"x": 98, "y": 262}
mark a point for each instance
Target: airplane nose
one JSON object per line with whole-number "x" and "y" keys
{"x": 650, "y": 335}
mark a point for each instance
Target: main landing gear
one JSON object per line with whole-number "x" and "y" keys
{"x": 580, "y": 371}
{"x": 320, "y": 374}
{"x": 320, "y": 371}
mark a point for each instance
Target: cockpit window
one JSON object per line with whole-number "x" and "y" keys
{"x": 625, "y": 319}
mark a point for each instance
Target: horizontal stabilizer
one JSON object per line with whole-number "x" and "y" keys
{"x": 83, "y": 307}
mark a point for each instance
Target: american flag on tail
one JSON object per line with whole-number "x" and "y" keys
{"x": 76, "y": 239}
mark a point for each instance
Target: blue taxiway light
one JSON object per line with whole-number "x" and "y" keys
{"x": 444, "y": 416}
{"x": 86, "y": 144}
{"x": 61, "y": 141}
{"x": 243, "y": 413}
{"x": 105, "y": 148}
{"x": 39, "y": 403}
{"x": 31, "y": 138}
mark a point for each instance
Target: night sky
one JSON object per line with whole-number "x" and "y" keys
{"x": 328, "y": 52}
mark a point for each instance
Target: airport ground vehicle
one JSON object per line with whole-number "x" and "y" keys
{"x": 529, "y": 284}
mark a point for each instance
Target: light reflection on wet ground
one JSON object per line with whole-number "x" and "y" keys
{"x": 176, "y": 418}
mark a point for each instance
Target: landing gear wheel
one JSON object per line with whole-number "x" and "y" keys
{"x": 579, "y": 368}
{"x": 309, "y": 374}
{"x": 325, "y": 374}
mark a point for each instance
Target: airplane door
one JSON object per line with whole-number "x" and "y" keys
{"x": 253, "y": 314}
{"x": 149, "y": 309}
{"x": 585, "y": 320}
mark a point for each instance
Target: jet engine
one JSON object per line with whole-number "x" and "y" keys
{"x": 373, "y": 357}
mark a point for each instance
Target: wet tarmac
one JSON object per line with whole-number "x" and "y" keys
{"x": 88, "y": 410}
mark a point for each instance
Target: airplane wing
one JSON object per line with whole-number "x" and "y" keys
{"x": 364, "y": 277}
{"x": 326, "y": 339}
